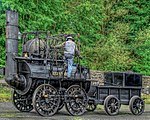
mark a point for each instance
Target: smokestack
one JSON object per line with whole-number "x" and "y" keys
{"x": 11, "y": 76}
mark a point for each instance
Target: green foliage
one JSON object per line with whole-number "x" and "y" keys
{"x": 2, "y": 53}
{"x": 114, "y": 33}
{"x": 142, "y": 52}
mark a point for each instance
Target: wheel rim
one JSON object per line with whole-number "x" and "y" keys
{"x": 46, "y": 100}
{"x": 90, "y": 107}
{"x": 112, "y": 105}
{"x": 137, "y": 106}
{"x": 76, "y": 100}
{"x": 22, "y": 102}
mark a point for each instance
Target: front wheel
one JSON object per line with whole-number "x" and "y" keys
{"x": 111, "y": 105}
{"x": 46, "y": 100}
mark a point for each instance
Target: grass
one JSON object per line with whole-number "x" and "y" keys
{"x": 11, "y": 115}
{"x": 1, "y": 77}
{"x": 5, "y": 93}
{"x": 146, "y": 98}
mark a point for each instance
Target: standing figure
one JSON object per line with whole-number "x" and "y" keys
{"x": 70, "y": 49}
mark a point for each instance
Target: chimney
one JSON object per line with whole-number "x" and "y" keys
{"x": 11, "y": 76}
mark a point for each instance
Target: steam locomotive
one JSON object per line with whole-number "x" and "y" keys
{"x": 39, "y": 82}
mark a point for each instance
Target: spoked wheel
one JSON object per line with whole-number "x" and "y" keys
{"x": 91, "y": 107}
{"x": 46, "y": 100}
{"x": 76, "y": 100}
{"x": 136, "y": 105}
{"x": 22, "y": 102}
{"x": 111, "y": 105}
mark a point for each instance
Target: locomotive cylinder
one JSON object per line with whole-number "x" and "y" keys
{"x": 11, "y": 51}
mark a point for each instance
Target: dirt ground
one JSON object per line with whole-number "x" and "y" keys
{"x": 9, "y": 112}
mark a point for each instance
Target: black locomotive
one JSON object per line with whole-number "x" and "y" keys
{"x": 38, "y": 77}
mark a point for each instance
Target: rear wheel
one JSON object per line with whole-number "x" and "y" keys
{"x": 136, "y": 105}
{"x": 76, "y": 100}
{"x": 46, "y": 100}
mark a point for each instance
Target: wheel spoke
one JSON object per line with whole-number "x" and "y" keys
{"x": 139, "y": 110}
{"x": 135, "y": 110}
{"x": 109, "y": 108}
{"x": 116, "y": 104}
{"x": 113, "y": 100}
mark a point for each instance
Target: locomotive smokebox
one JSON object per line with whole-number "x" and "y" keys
{"x": 11, "y": 76}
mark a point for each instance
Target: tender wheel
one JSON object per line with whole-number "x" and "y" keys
{"x": 46, "y": 100}
{"x": 91, "y": 107}
{"x": 76, "y": 100}
{"x": 111, "y": 105}
{"x": 22, "y": 102}
{"x": 136, "y": 105}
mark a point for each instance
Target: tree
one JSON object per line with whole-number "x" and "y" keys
{"x": 142, "y": 52}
